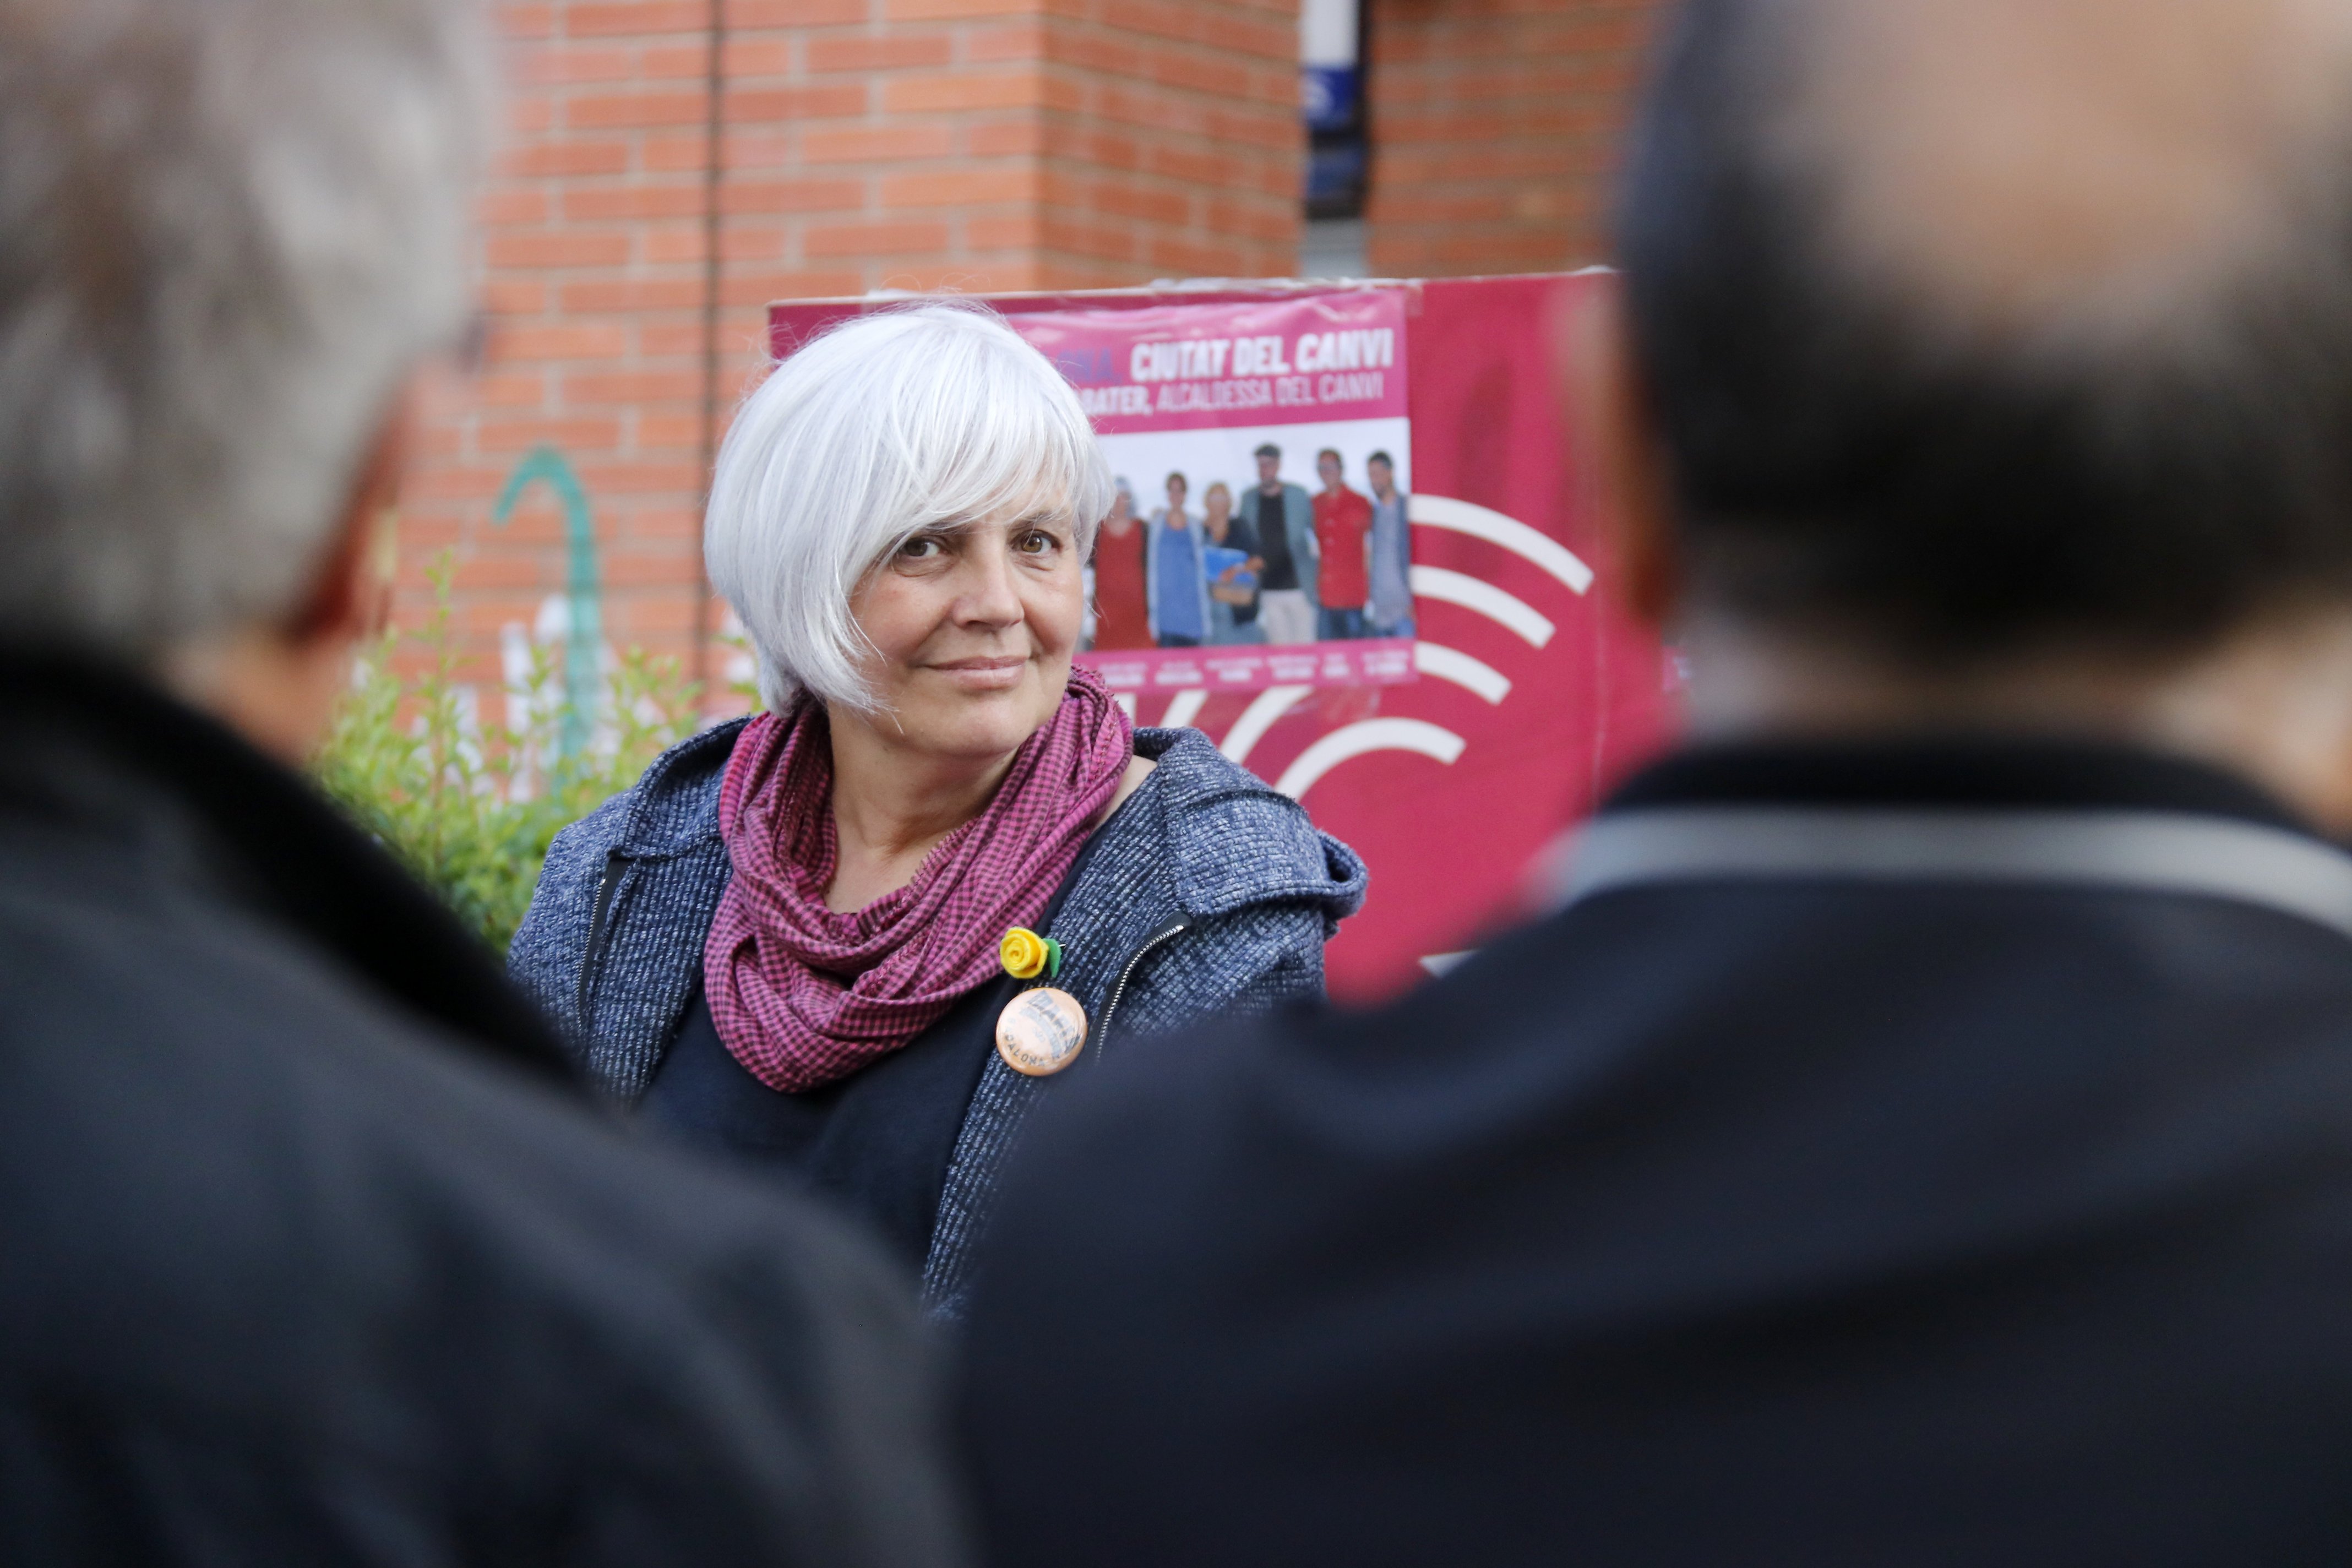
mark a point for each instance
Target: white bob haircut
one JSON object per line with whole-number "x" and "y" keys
{"x": 880, "y": 427}
{"x": 228, "y": 231}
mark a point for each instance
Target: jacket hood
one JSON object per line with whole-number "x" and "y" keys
{"x": 673, "y": 807}
{"x": 1234, "y": 841}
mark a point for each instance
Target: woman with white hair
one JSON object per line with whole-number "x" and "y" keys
{"x": 859, "y": 936}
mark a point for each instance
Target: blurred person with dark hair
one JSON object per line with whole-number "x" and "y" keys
{"x": 315, "y": 1253}
{"x": 1924, "y": 1135}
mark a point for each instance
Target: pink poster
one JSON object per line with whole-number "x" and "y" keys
{"x": 1453, "y": 756}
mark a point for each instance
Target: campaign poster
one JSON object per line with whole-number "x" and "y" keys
{"x": 1524, "y": 694}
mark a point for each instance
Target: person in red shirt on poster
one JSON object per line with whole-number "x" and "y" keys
{"x": 1120, "y": 621}
{"x": 1343, "y": 523}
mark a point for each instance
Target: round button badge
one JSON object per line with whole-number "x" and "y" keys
{"x": 1041, "y": 1031}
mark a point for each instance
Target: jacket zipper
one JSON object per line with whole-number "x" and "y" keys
{"x": 615, "y": 863}
{"x": 1174, "y": 927}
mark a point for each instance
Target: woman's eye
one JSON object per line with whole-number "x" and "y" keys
{"x": 921, "y": 548}
{"x": 1036, "y": 542}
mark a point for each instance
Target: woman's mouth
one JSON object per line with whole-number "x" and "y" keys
{"x": 997, "y": 674}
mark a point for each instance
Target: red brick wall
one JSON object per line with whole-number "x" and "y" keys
{"x": 1171, "y": 141}
{"x": 1495, "y": 126}
{"x": 974, "y": 144}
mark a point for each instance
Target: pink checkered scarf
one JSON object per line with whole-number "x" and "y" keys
{"x": 803, "y": 995}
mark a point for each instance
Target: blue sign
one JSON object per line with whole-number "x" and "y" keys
{"x": 1328, "y": 96}
{"x": 1335, "y": 173}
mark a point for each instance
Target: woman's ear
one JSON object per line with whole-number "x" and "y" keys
{"x": 1613, "y": 428}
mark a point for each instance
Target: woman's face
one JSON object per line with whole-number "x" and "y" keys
{"x": 1175, "y": 495}
{"x": 973, "y": 630}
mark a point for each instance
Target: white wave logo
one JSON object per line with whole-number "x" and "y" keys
{"x": 1434, "y": 660}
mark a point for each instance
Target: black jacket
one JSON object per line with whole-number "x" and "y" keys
{"x": 1805, "y": 1193}
{"x": 313, "y": 1254}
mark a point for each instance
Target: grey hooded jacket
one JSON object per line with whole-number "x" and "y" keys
{"x": 1209, "y": 895}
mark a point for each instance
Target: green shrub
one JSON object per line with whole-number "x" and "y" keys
{"x": 470, "y": 808}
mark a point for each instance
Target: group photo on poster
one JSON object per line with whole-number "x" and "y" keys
{"x": 1196, "y": 555}
{"x": 1264, "y": 461}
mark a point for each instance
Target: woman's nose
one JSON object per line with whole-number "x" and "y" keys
{"x": 989, "y": 596}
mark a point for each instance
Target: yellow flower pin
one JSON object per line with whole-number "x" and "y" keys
{"x": 1024, "y": 952}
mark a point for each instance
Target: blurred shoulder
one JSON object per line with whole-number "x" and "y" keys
{"x": 233, "y": 1109}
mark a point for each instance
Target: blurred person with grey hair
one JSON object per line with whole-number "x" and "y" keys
{"x": 316, "y": 1250}
{"x": 858, "y": 938}
{"x": 1924, "y": 1135}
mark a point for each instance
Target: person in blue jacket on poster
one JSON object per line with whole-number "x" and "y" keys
{"x": 1176, "y": 572}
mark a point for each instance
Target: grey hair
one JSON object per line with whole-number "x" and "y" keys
{"x": 882, "y": 426}
{"x": 228, "y": 231}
